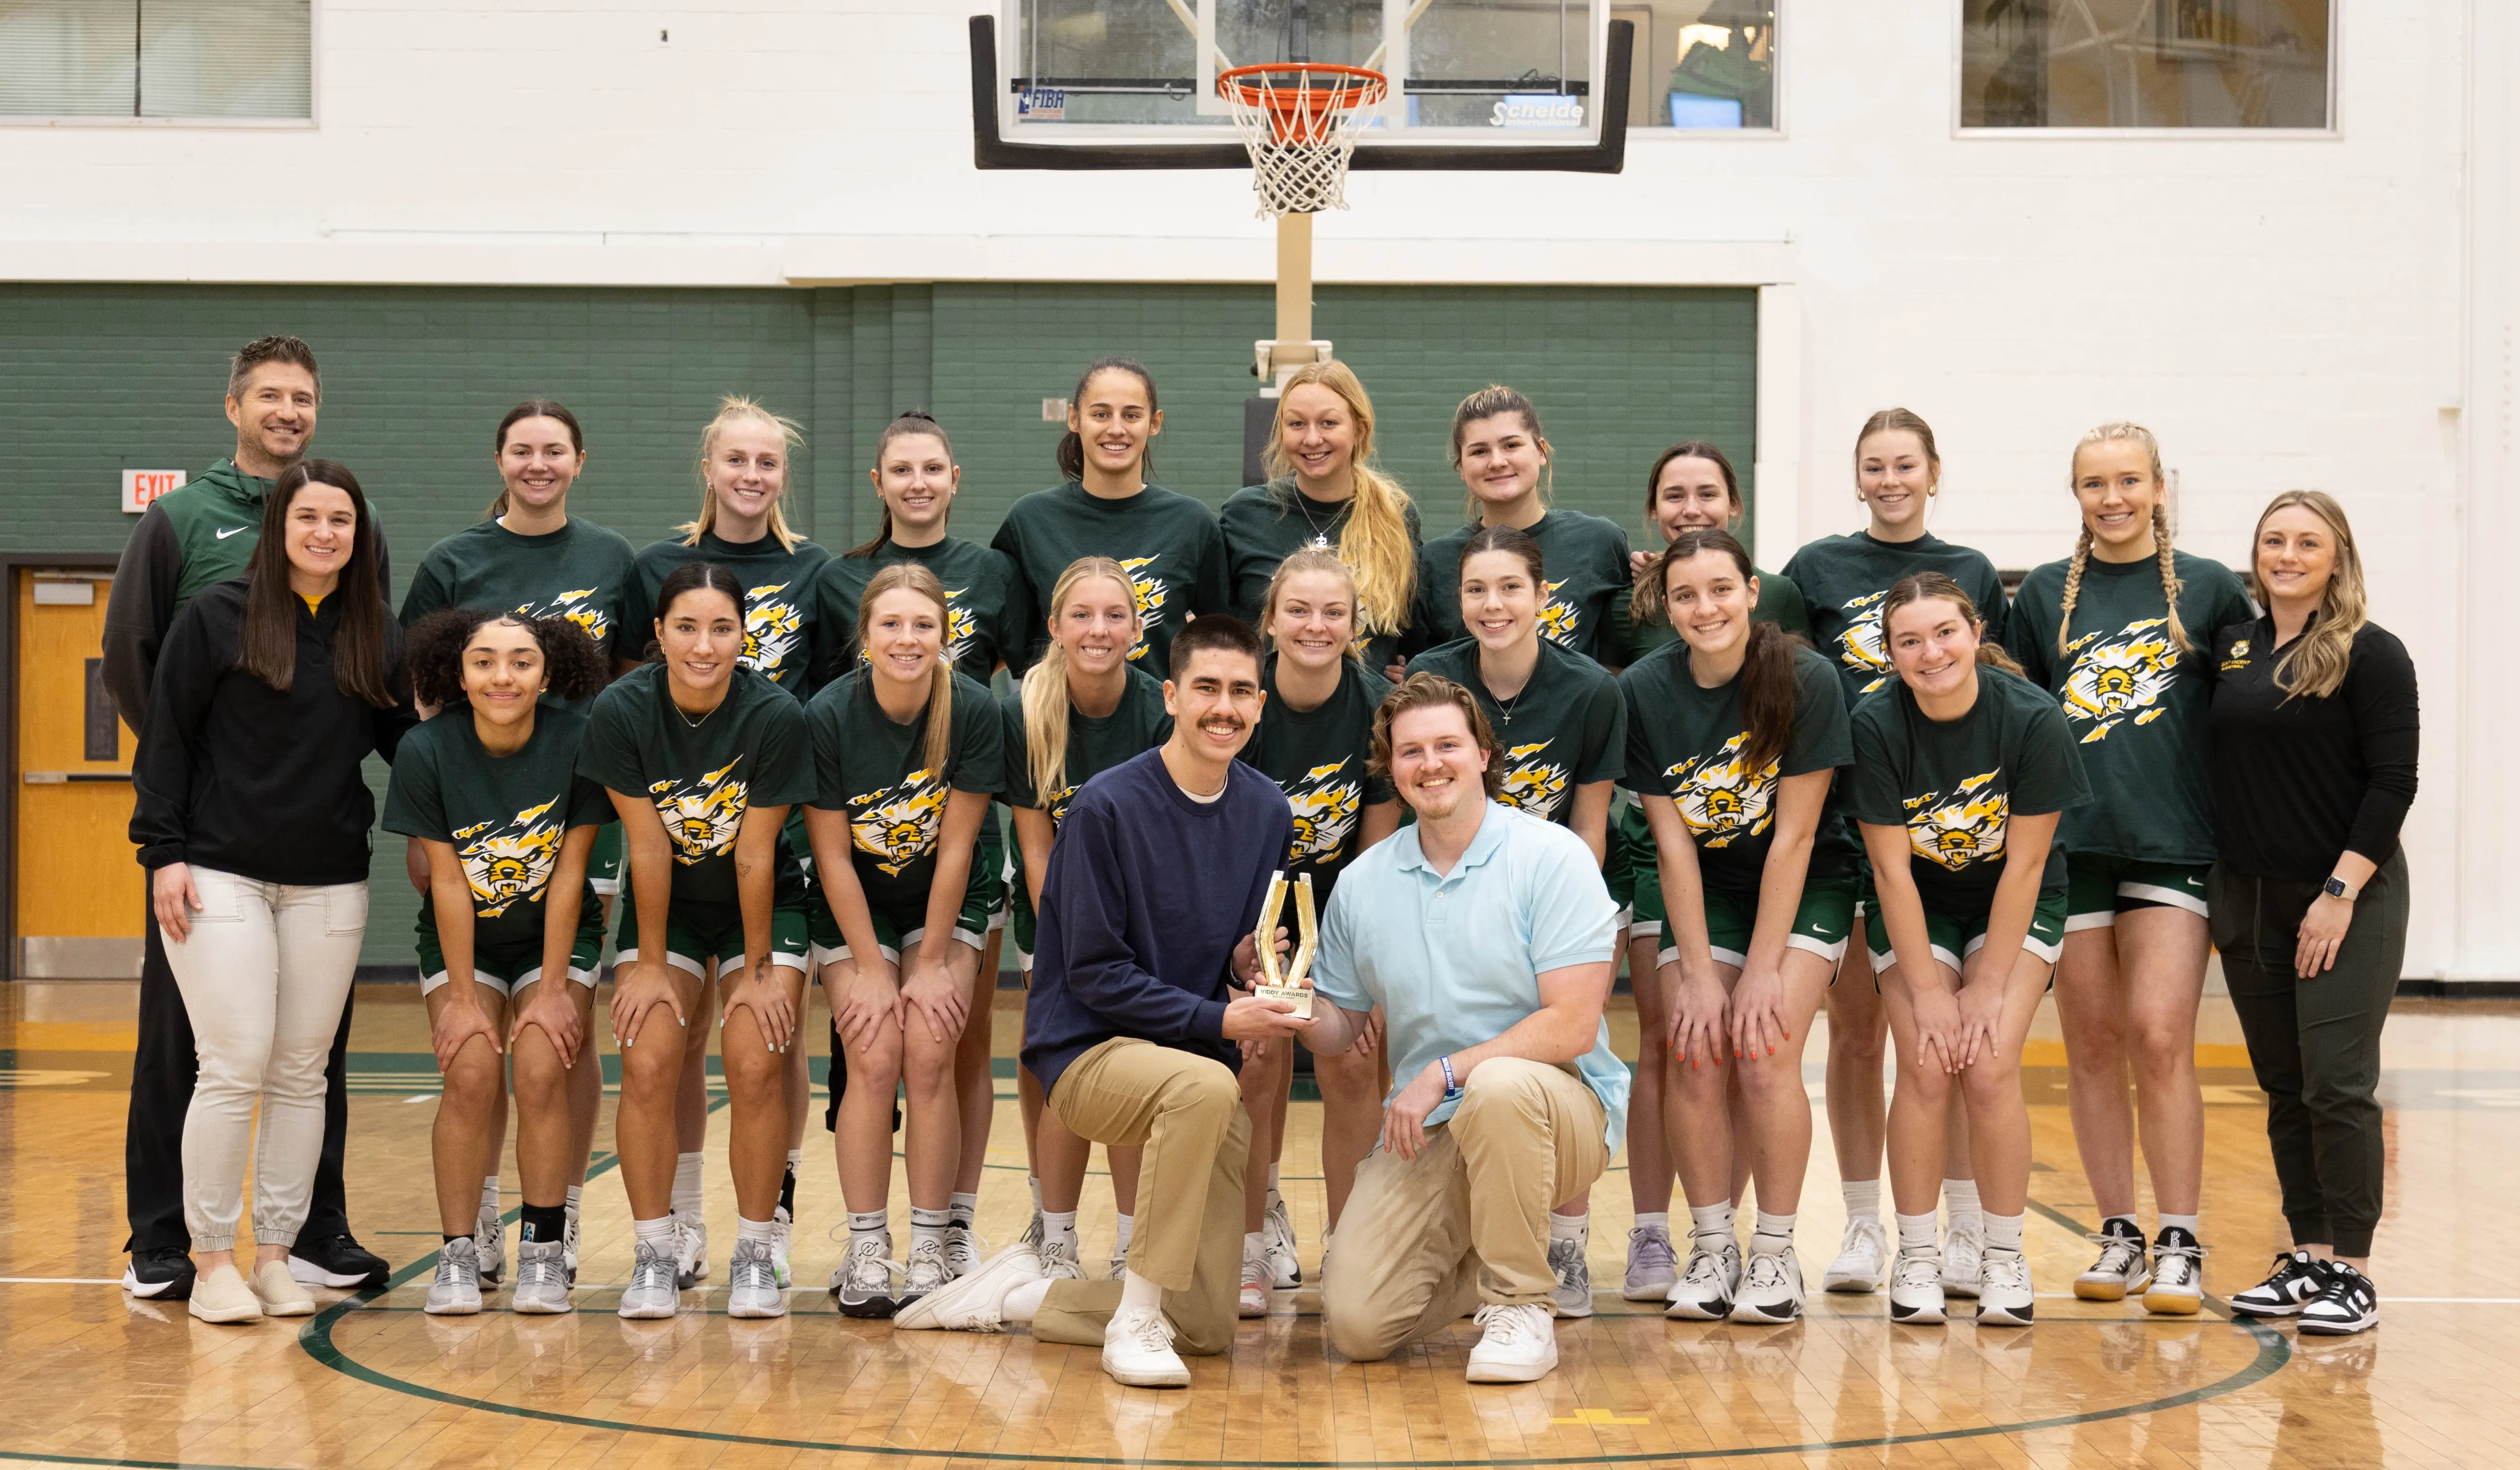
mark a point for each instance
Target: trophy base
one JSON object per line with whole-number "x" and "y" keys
{"x": 1301, "y": 996}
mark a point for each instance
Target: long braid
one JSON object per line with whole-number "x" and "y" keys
{"x": 2073, "y": 589}
{"x": 2170, "y": 584}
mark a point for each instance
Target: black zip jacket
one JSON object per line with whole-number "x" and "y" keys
{"x": 2299, "y": 780}
{"x": 237, "y": 776}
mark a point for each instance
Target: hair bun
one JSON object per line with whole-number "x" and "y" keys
{"x": 915, "y": 413}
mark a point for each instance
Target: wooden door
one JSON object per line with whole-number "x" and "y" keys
{"x": 80, "y": 895}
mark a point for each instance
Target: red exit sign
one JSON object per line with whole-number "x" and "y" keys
{"x": 140, "y": 487}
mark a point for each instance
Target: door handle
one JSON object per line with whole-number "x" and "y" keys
{"x": 64, "y": 778}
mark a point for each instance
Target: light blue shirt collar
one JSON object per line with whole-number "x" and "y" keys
{"x": 1485, "y": 844}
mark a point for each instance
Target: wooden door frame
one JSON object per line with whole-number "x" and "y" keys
{"x": 16, "y": 564}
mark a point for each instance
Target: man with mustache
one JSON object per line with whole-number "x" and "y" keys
{"x": 1140, "y": 984}
{"x": 1488, "y": 938}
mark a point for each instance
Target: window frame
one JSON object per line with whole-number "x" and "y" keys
{"x": 312, "y": 119}
{"x": 2334, "y": 130}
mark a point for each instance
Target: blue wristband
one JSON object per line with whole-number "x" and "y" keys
{"x": 1451, "y": 1087}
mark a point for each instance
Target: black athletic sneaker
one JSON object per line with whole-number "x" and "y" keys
{"x": 337, "y": 1260}
{"x": 162, "y": 1274}
{"x": 2296, "y": 1278}
{"x": 2350, "y": 1304}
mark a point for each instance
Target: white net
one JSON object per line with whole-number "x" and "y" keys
{"x": 1299, "y": 127}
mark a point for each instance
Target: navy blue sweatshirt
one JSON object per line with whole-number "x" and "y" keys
{"x": 1147, "y": 893}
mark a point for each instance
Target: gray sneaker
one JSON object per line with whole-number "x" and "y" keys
{"x": 691, "y": 1251}
{"x": 752, "y": 1281}
{"x": 862, "y": 1283}
{"x": 1278, "y": 1235}
{"x": 1120, "y": 1264}
{"x": 490, "y": 1244}
{"x": 926, "y": 1270}
{"x": 651, "y": 1292}
{"x": 964, "y": 1250}
{"x": 457, "y": 1290}
{"x": 542, "y": 1278}
{"x": 568, "y": 1246}
{"x": 1573, "y": 1294}
{"x": 1652, "y": 1264}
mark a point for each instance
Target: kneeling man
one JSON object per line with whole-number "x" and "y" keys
{"x": 1148, "y": 906}
{"x": 1489, "y": 940}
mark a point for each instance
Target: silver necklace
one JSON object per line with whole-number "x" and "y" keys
{"x": 690, "y": 724}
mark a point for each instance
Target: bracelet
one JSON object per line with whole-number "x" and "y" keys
{"x": 1451, "y": 1087}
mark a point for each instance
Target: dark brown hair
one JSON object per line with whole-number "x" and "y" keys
{"x": 1767, "y": 666}
{"x": 1433, "y": 691}
{"x": 531, "y": 408}
{"x": 1693, "y": 449}
{"x": 913, "y": 421}
{"x": 433, "y": 652}
{"x": 1487, "y": 403}
{"x": 1933, "y": 586}
{"x": 262, "y": 349}
{"x": 1071, "y": 445}
{"x": 1216, "y": 630}
{"x": 1512, "y": 541}
{"x": 268, "y": 643}
{"x": 694, "y": 577}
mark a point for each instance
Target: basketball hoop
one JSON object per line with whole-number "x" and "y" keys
{"x": 1298, "y": 121}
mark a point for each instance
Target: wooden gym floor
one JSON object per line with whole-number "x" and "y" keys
{"x": 90, "y": 1377}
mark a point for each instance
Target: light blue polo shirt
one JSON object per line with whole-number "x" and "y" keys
{"x": 1455, "y": 959}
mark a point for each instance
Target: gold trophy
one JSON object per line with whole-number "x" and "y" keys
{"x": 1286, "y": 982}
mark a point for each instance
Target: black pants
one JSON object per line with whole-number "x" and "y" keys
{"x": 164, "y": 1068}
{"x": 2316, "y": 1043}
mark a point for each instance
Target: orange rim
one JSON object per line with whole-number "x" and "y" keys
{"x": 1301, "y": 97}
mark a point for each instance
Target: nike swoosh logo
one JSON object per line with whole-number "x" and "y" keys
{"x": 232, "y": 530}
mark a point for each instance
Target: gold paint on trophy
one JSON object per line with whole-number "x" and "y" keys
{"x": 1289, "y": 982}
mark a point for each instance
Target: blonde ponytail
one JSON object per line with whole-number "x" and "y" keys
{"x": 2162, "y": 550}
{"x": 913, "y": 577}
{"x": 1374, "y": 542}
{"x": 1046, "y": 702}
{"x": 735, "y": 409}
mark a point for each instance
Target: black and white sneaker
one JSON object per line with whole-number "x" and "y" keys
{"x": 2296, "y": 1279}
{"x": 2177, "y": 1286}
{"x": 2348, "y": 1304}
{"x": 164, "y": 1273}
{"x": 2122, "y": 1266}
{"x": 2005, "y": 1298}
{"x": 337, "y": 1260}
{"x": 1916, "y": 1286}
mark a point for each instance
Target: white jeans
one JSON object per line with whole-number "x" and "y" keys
{"x": 264, "y": 977}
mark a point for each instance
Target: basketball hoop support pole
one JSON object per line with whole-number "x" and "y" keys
{"x": 1295, "y": 346}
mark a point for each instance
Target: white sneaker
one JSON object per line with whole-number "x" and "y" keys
{"x": 1964, "y": 1258}
{"x": 568, "y": 1245}
{"x": 2177, "y": 1286}
{"x": 925, "y": 1272}
{"x": 1061, "y": 1263}
{"x": 2003, "y": 1297}
{"x": 1278, "y": 1232}
{"x": 1863, "y": 1261}
{"x": 970, "y": 1304}
{"x": 691, "y": 1251}
{"x": 2122, "y": 1268}
{"x": 780, "y": 1222}
{"x": 1138, "y": 1351}
{"x": 964, "y": 1250}
{"x": 1704, "y": 1290}
{"x": 456, "y": 1290}
{"x": 1516, "y": 1345}
{"x": 752, "y": 1282}
{"x": 1772, "y": 1289}
{"x": 1573, "y": 1294}
{"x": 651, "y": 1292}
{"x": 1916, "y": 1286}
{"x": 1652, "y": 1266}
{"x": 490, "y": 1241}
{"x": 542, "y": 1278}
{"x": 1254, "y": 1300}
{"x": 862, "y": 1283}
{"x": 1118, "y": 1264}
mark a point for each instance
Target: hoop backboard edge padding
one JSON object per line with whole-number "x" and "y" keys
{"x": 1608, "y": 154}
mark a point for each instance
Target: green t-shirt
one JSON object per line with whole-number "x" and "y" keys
{"x": 1584, "y": 561}
{"x": 1781, "y": 602}
{"x": 1684, "y": 743}
{"x": 581, "y": 571}
{"x": 1319, "y": 758}
{"x": 505, "y": 815}
{"x": 1265, "y": 524}
{"x": 1094, "y": 744}
{"x": 2135, "y": 705}
{"x": 874, "y": 770}
{"x": 1170, "y": 544}
{"x": 1957, "y": 786}
{"x": 980, "y": 598}
{"x": 778, "y": 632}
{"x": 1568, "y": 727}
{"x": 751, "y": 751}
{"x": 1843, "y": 579}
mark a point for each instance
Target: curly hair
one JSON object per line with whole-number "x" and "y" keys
{"x": 572, "y": 666}
{"x": 1433, "y": 691}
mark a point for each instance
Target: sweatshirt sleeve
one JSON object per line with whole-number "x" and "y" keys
{"x": 138, "y": 609}
{"x": 1087, "y": 888}
{"x": 2381, "y": 691}
{"x": 1024, "y": 597}
{"x": 162, "y": 768}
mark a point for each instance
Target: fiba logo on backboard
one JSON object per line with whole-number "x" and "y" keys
{"x": 1041, "y": 104}
{"x": 1537, "y": 110}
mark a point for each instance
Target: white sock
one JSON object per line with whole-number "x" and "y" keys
{"x": 490, "y": 1192}
{"x": 2003, "y": 1232}
{"x": 1128, "y": 1225}
{"x": 574, "y": 1192}
{"x": 1021, "y": 1304}
{"x": 1138, "y": 1291}
{"x": 1570, "y": 1226}
{"x": 876, "y": 1224}
{"x": 1255, "y": 1246}
{"x": 796, "y": 1160}
{"x": 1033, "y": 1182}
{"x": 1917, "y": 1232}
{"x": 657, "y": 1232}
{"x": 1059, "y": 1228}
{"x": 1773, "y": 1233}
{"x": 1273, "y": 1178}
{"x": 2187, "y": 1223}
{"x": 964, "y": 1208}
{"x": 687, "y": 1183}
{"x": 1713, "y": 1220}
{"x": 1862, "y": 1198}
{"x": 1659, "y": 1219}
{"x": 765, "y": 1231}
{"x": 1960, "y": 1196}
{"x": 928, "y": 1225}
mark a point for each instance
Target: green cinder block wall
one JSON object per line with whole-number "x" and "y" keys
{"x": 97, "y": 379}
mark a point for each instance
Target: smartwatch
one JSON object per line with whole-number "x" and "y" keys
{"x": 1452, "y": 1084}
{"x": 2335, "y": 887}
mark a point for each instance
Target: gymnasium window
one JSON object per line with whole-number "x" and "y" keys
{"x": 176, "y": 58}
{"x": 2145, "y": 64}
{"x": 1702, "y": 64}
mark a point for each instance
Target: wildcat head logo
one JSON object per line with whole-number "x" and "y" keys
{"x": 701, "y": 816}
{"x": 900, "y": 824}
{"x": 1859, "y": 647}
{"x": 508, "y": 862}
{"x": 1533, "y": 786}
{"x": 2237, "y": 655}
{"x": 1152, "y": 595}
{"x": 1718, "y": 798}
{"x": 2121, "y": 675}
{"x": 1326, "y": 811}
{"x": 578, "y": 606}
{"x": 1967, "y": 829}
{"x": 772, "y": 629}
{"x": 1558, "y": 621}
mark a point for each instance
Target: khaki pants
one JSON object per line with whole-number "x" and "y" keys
{"x": 1186, "y": 1113}
{"x": 1468, "y": 1219}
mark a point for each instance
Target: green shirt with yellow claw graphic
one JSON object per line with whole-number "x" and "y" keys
{"x": 874, "y": 770}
